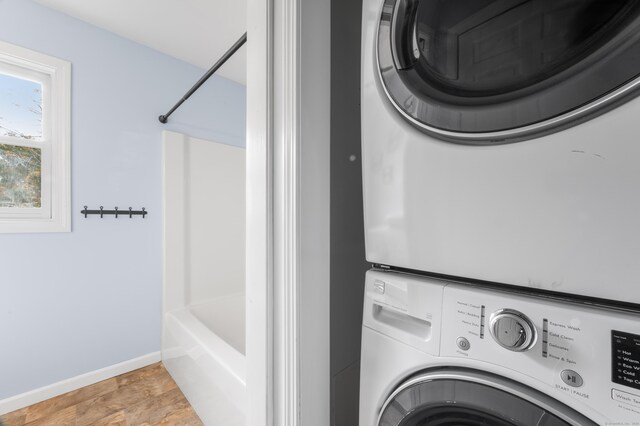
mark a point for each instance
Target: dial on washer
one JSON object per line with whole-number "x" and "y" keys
{"x": 513, "y": 330}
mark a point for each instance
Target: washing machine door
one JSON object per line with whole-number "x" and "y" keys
{"x": 470, "y": 398}
{"x": 496, "y": 71}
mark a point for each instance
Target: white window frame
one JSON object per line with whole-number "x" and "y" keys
{"x": 54, "y": 74}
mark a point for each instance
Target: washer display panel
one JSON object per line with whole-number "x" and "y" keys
{"x": 472, "y": 399}
{"x": 516, "y": 68}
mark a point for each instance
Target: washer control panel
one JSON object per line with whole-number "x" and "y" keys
{"x": 583, "y": 356}
{"x": 587, "y": 357}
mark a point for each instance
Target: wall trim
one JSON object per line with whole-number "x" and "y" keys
{"x": 314, "y": 212}
{"x": 288, "y": 67}
{"x": 287, "y": 255}
{"x": 26, "y": 399}
{"x": 301, "y": 125}
{"x": 261, "y": 356}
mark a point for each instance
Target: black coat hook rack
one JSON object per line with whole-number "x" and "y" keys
{"x": 115, "y": 212}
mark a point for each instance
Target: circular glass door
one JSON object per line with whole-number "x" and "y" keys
{"x": 486, "y": 71}
{"x": 469, "y": 398}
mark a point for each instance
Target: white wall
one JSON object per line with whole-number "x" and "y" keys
{"x": 216, "y": 219}
{"x": 204, "y": 225}
{"x": 73, "y": 303}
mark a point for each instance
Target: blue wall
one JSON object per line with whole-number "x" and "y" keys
{"x": 76, "y": 302}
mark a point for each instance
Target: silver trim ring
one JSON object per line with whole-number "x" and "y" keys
{"x": 520, "y": 132}
{"x": 510, "y": 387}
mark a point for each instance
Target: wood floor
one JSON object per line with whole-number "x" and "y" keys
{"x": 148, "y": 396}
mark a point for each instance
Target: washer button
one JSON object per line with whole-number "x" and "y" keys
{"x": 463, "y": 343}
{"x": 571, "y": 378}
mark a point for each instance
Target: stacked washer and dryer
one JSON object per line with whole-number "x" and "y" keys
{"x": 501, "y": 167}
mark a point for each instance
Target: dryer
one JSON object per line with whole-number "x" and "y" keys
{"x": 441, "y": 353}
{"x": 500, "y": 141}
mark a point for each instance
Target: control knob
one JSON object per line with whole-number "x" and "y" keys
{"x": 513, "y": 330}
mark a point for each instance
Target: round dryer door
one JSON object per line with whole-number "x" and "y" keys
{"x": 469, "y": 398}
{"x": 495, "y": 71}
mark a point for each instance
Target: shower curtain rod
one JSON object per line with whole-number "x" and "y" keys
{"x": 237, "y": 45}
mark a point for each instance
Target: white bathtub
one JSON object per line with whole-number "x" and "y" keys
{"x": 203, "y": 350}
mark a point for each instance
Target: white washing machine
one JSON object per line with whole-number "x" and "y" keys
{"x": 501, "y": 141}
{"x": 438, "y": 353}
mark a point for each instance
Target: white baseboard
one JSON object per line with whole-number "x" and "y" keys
{"x": 28, "y": 398}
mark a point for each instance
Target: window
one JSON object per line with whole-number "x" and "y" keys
{"x": 34, "y": 141}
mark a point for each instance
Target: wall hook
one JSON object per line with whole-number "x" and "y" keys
{"x": 116, "y": 212}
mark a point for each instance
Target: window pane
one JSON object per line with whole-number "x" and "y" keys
{"x": 20, "y": 169}
{"x": 20, "y": 108}
{"x": 461, "y": 70}
{"x": 489, "y": 47}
